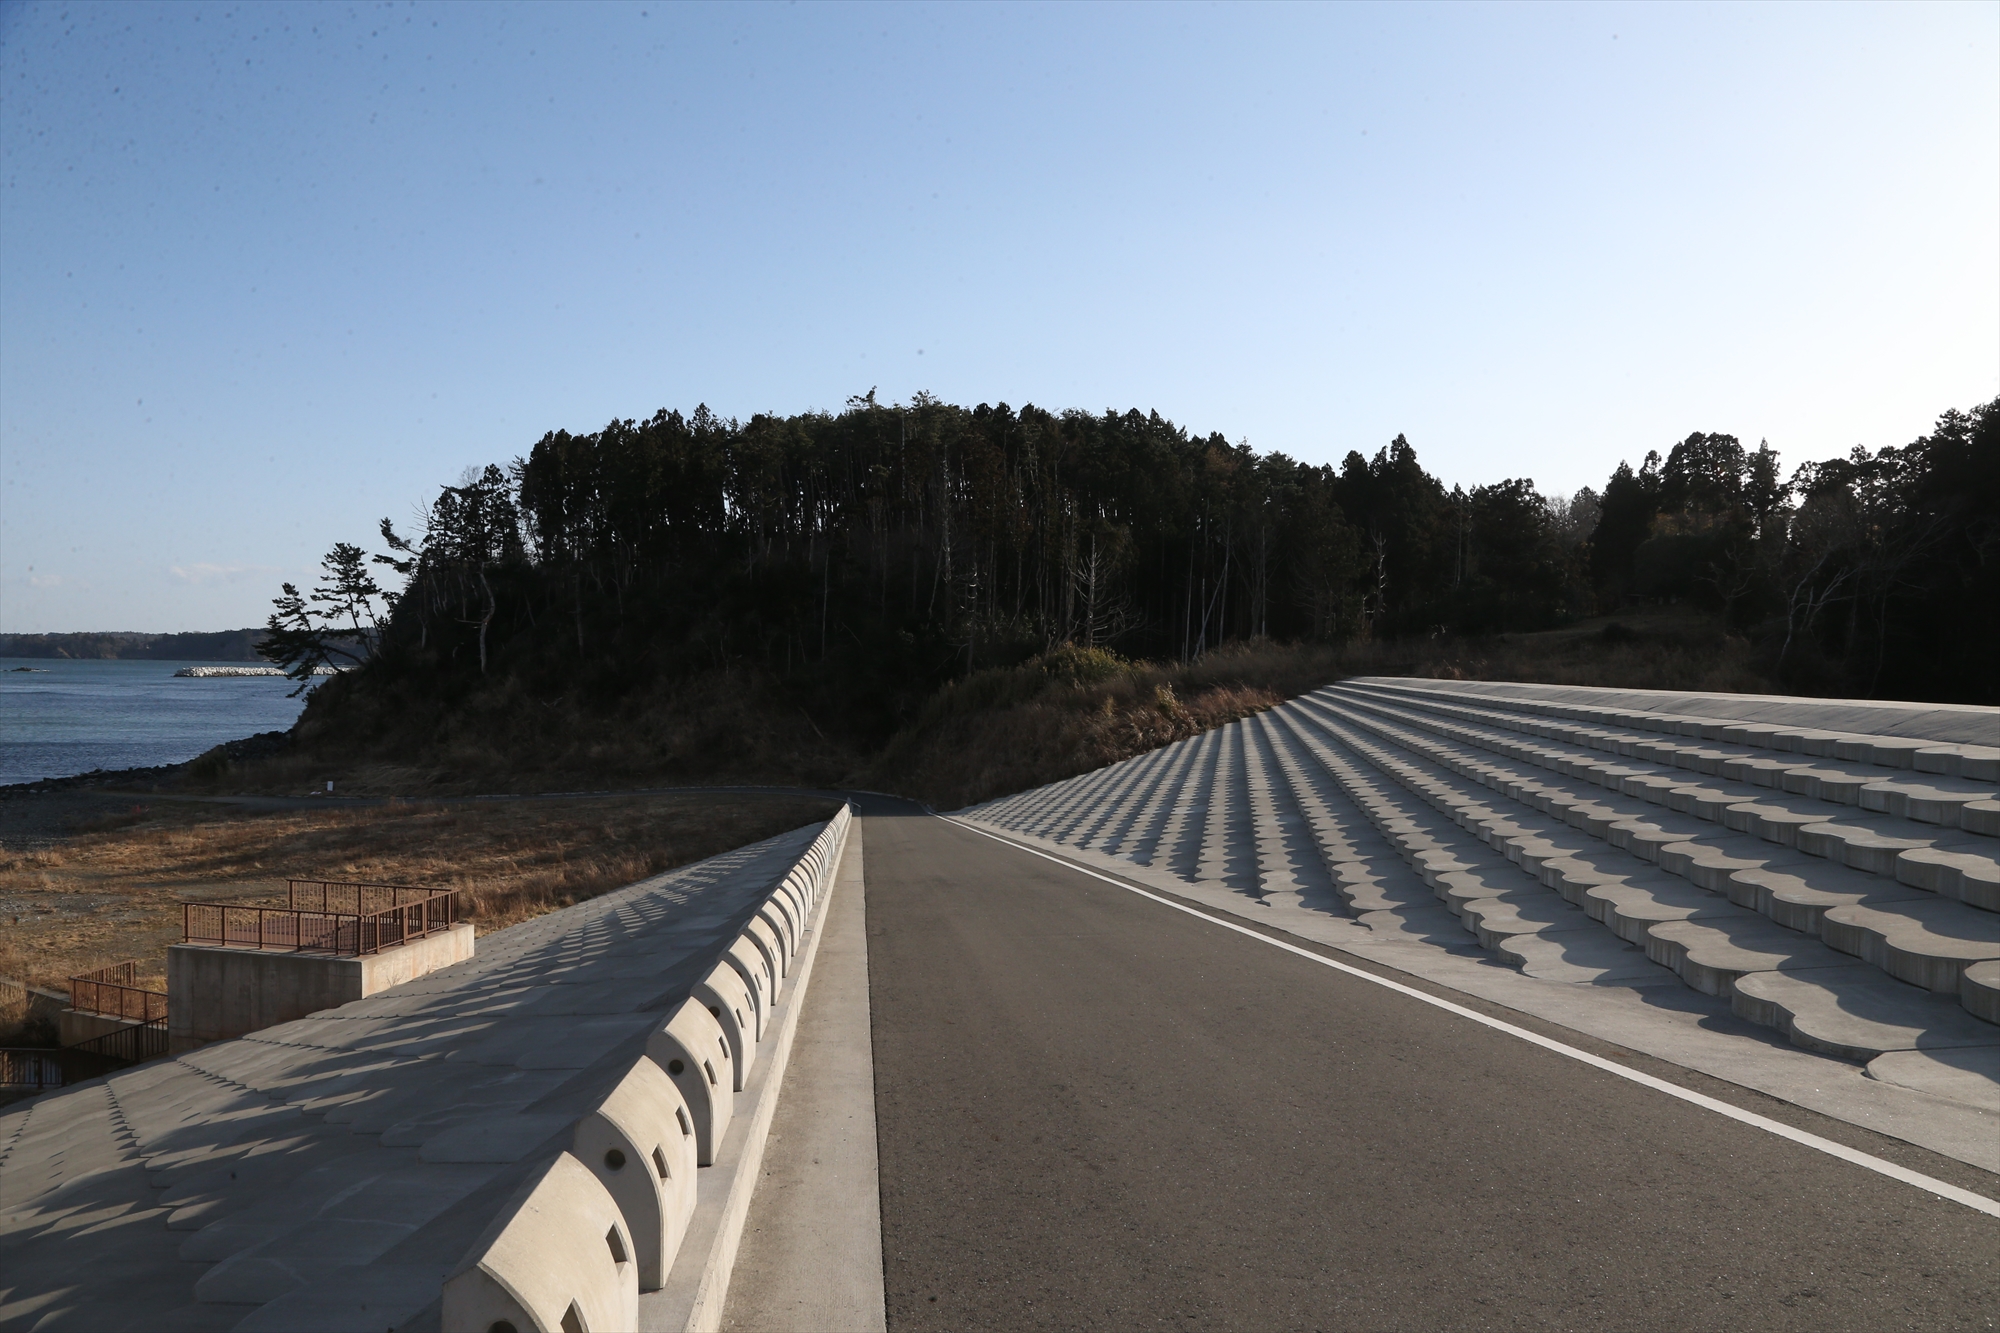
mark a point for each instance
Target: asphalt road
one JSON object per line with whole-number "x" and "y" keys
{"x": 1097, "y": 1112}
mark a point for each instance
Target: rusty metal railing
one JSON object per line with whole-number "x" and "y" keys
{"x": 119, "y": 1047}
{"x": 302, "y": 930}
{"x": 30, "y": 1068}
{"x": 350, "y": 897}
{"x": 115, "y": 992}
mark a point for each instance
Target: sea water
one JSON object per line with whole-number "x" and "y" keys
{"x": 64, "y": 717}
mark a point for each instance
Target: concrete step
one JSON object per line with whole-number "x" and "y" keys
{"x": 1926, "y": 942}
{"x": 1930, "y": 952}
{"x": 1855, "y": 1012}
{"x": 1979, "y": 991}
{"x": 1109, "y": 834}
{"x": 1950, "y": 801}
{"x": 1291, "y": 869}
{"x": 1978, "y": 759}
{"x": 1503, "y": 906}
{"x": 1158, "y": 824}
{"x": 1714, "y": 953}
{"x": 1969, "y": 1074}
{"x": 1852, "y": 835}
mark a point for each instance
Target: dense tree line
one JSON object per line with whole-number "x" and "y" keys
{"x": 869, "y": 554}
{"x": 235, "y": 645}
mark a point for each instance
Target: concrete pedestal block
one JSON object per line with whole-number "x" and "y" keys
{"x": 215, "y": 993}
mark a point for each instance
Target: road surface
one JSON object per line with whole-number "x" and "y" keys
{"x": 1095, "y": 1111}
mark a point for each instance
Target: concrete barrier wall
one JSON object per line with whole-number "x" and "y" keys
{"x": 551, "y": 1258}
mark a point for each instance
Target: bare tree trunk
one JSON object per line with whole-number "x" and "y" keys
{"x": 486, "y": 619}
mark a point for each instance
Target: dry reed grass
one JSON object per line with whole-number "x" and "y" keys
{"x": 1004, "y": 731}
{"x": 22, "y": 1024}
{"x": 110, "y": 891}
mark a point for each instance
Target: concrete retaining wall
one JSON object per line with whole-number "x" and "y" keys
{"x": 214, "y": 994}
{"x": 74, "y": 1026}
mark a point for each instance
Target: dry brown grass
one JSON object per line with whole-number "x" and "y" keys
{"x": 110, "y": 891}
{"x": 1005, "y": 731}
{"x": 22, "y": 1024}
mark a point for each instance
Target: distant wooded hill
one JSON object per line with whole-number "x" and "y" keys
{"x": 639, "y": 584}
{"x": 229, "y": 645}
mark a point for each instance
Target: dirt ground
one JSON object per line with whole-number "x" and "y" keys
{"x": 90, "y": 878}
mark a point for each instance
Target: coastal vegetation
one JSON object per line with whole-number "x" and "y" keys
{"x": 830, "y": 597}
{"x": 236, "y": 645}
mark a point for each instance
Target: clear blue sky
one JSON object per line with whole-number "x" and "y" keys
{"x": 269, "y": 273}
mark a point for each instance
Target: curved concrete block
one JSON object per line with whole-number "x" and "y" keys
{"x": 773, "y": 914}
{"x": 750, "y": 965}
{"x": 759, "y": 933}
{"x": 691, "y": 1047}
{"x": 796, "y": 898}
{"x": 639, "y": 1143}
{"x": 558, "y": 1258}
{"x": 793, "y": 907}
{"x": 729, "y": 1002}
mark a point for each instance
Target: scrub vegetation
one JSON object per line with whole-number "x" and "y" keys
{"x": 108, "y": 888}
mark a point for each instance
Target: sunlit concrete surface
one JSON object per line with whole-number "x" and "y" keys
{"x": 328, "y": 1172}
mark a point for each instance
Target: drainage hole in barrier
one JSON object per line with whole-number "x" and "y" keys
{"x": 660, "y": 1165}
{"x": 715, "y": 1011}
{"x": 739, "y": 1019}
{"x": 709, "y": 1069}
{"x": 723, "y": 1042}
{"x": 617, "y": 1244}
{"x": 572, "y": 1320}
{"x": 676, "y": 1067}
{"x": 681, "y": 1116}
{"x": 614, "y": 1160}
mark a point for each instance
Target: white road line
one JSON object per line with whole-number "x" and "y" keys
{"x": 1930, "y": 1184}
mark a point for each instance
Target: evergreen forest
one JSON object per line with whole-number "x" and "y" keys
{"x": 856, "y": 561}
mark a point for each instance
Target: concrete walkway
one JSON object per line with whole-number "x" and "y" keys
{"x": 811, "y": 1256}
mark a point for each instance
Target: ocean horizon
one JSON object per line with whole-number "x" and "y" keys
{"x": 60, "y": 716}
